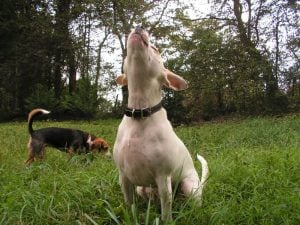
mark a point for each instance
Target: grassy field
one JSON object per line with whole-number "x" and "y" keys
{"x": 254, "y": 177}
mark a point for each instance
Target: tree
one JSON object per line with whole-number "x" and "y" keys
{"x": 25, "y": 52}
{"x": 59, "y": 47}
{"x": 64, "y": 54}
{"x": 221, "y": 74}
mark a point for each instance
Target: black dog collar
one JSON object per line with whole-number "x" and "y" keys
{"x": 140, "y": 113}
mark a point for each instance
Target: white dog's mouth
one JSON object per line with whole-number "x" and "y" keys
{"x": 139, "y": 34}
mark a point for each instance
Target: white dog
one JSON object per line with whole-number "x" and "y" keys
{"x": 147, "y": 151}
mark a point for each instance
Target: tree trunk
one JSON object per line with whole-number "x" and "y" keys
{"x": 57, "y": 74}
{"x": 61, "y": 42}
{"x": 65, "y": 51}
{"x": 72, "y": 71}
{"x": 99, "y": 57}
{"x": 268, "y": 76}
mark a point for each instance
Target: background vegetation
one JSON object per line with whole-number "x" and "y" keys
{"x": 241, "y": 57}
{"x": 254, "y": 177}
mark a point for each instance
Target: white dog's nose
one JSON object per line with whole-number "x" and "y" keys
{"x": 139, "y": 29}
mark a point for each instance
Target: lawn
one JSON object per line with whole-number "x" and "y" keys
{"x": 254, "y": 177}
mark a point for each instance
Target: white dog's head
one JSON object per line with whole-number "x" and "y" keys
{"x": 143, "y": 66}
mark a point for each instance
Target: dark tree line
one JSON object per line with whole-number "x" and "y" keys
{"x": 242, "y": 58}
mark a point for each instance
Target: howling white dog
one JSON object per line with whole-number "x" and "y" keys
{"x": 147, "y": 151}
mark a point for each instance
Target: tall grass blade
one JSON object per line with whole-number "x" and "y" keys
{"x": 90, "y": 219}
{"x": 148, "y": 212}
{"x": 110, "y": 212}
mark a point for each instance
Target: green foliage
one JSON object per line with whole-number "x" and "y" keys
{"x": 84, "y": 102}
{"x": 254, "y": 177}
{"x": 294, "y": 102}
{"x": 41, "y": 98}
{"x": 293, "y": 92}
{"x": 173, "y": 103}
{"x": 224, "y": 78}
{"x": 25, "y": 48}
{"x": 278, "y": 104}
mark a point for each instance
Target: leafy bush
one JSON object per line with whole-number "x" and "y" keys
{"x": 42, "y": 98}
{"x": 84, "y": 102}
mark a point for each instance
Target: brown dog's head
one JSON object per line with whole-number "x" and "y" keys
{"x": 98, "y": 144}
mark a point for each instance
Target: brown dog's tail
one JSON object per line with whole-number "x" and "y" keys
{"x": 32, "y": 115}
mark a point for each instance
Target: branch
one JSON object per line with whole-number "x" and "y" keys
{"x": 249, "y": 18}
{"x": 257, "y": 20}
{"x": 230, "y": 21}
{"x": 160, "y": 17}
{"x": 237, "y": 9}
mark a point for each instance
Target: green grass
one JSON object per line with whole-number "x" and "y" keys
{"x": 254, "y": 177}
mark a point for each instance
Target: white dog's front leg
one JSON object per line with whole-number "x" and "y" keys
{"x": 164, "y": 185}
{"x": 127, "y": 189}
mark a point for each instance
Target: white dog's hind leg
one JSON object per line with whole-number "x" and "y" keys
{"x": 147, "y": 192}
{"x": 192, "y": 186}
{"x": 164, "y": 185}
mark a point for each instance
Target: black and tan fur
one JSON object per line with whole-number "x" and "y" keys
{"x": 64, "y": 139}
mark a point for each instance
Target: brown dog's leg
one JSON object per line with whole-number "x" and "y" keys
{"x": 31, "y": 157}
{"x": 31, "y": 154}
{"x": 42, "y": 152}
{"x": 71, "y": 152}
{"x": 29, "y": 160}
{"x": 35, "y": 150}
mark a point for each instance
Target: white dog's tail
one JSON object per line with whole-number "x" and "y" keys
{"x": 205, "y": 171}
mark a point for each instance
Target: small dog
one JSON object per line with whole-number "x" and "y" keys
{"x": 147, "y": 151}
{"x": 64, "y": 139}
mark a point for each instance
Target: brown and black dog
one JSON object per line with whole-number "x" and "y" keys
{"x": 64, "y": 139}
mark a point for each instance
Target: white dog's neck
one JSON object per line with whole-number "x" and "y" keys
{"x": 141, "y": 96}
{"x": 144, "y": 89}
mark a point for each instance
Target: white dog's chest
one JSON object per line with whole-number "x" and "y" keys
{"x": 143, "y": 152}
{"x": 140, "y": 159}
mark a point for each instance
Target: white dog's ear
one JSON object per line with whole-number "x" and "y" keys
{"x": 174, "y": 81}
{"x": 122, "y": 80}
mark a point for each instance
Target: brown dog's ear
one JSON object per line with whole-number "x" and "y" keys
{"x": 174, "y": 81}
{"x": 122, "y": 80}
{"x": 100, "y": 143}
